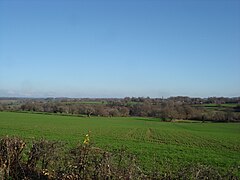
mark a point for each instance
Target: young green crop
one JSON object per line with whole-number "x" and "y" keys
{"x": 155, "y": 143}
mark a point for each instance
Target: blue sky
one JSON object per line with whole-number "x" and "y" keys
{"x": 110, "y": 48}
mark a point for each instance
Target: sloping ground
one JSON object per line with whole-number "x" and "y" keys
{"x": 156, "y": 144}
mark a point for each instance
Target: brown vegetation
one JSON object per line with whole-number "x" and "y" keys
{"x": 50, "y": 160}
{"x": 167, "y": 109}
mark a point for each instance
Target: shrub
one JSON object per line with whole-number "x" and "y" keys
{"x": 51, "y": 160}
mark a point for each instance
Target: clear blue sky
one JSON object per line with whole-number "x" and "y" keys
{"x": 111, "y": 48}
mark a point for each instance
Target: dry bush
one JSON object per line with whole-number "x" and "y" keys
{"x": 87, "y": 162}
{"x": 10, "y": 158}
{"x": 43, "y": 157}
{"x": 52, "y": 160}
{"x": 197, "y": 172}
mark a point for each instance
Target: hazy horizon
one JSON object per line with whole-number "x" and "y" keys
{"x": 119, "y": 48}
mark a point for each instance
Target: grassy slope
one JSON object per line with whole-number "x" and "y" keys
{"x": 214, "y": 144}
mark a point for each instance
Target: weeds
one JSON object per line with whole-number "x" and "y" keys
{"x": 52, "y": 160}
{"x": 10, "y": 158}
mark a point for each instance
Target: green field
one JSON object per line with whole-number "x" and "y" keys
{"x": 169, "y": 144}
{"x": 218, "y": 107}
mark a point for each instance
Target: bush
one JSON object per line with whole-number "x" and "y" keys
{"x": 51, "y": 160}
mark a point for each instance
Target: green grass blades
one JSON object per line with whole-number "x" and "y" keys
{"x": 156, "y": 144}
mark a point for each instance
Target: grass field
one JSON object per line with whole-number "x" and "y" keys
{"x": 218, "y": 107}
{"x": 170, "y": 145}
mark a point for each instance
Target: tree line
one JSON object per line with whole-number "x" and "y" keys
{"x": 173, "y": 108}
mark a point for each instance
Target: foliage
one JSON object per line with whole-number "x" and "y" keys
{"x": 215, "y": 145}
{"x": 45, "y": 160}
{"x": 210, "y": 109}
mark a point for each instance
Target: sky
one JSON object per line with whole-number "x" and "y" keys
{"x": 110, "y": 48}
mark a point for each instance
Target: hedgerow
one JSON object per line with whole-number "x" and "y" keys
{"x": 43, "y": 159}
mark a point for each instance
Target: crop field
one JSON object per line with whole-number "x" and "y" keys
{"x": 155, "y": 144}
{"x": 219, "y": 107}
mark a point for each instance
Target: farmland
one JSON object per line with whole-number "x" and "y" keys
{"x": 155, "y": 143}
